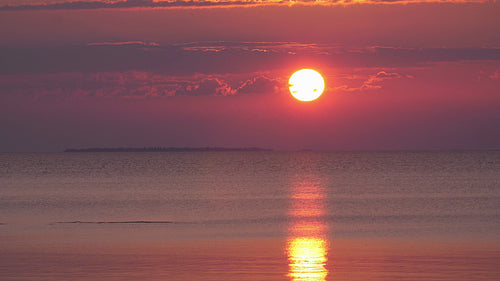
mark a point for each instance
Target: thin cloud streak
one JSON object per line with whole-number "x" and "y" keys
{"x": 127, "y": 4}
{"x": 90, "y": 5}
{"x": 136, "y": 43}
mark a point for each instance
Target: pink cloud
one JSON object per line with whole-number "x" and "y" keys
{"x": 495, "y": 76}
{"x": 373, "y": 82}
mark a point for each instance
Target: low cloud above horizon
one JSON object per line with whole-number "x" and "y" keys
{"x": 212, "y": 68}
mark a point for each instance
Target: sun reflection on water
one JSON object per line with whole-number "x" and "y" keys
{"x": 307, "y": 256}
{"x": 307, "y": 244}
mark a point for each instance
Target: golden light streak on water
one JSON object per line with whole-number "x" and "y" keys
{"x": 307, "y": 257}
{"x": 307, "y": 246}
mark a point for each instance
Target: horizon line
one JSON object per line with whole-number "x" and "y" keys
{"x": 241, "y": 149}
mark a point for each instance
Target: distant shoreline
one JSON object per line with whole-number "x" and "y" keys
{"x": 163, "y": 149}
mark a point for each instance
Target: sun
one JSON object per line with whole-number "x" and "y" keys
{"x": 306, "y": 85}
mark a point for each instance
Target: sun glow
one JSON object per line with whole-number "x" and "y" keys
{"x": 306, "y": 85}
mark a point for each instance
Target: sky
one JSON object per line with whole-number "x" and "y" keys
{"x": 399, "y": 75}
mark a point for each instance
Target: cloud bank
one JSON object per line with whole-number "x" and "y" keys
{"x": 220, "y": 57}
{"x": 133, "y": 84}
{"x": 146, "y": 69}
{"x": 86, "y": 5}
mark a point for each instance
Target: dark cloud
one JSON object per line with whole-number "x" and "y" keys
{"x": 207, "y": 86}
{"x": 80, "y": 5}
{"x": 148, "y": 69}
{"x": 259, "y": 84}
{"x": 175, "y": 60}
{"x": 85, "y": 5}
{"x": 129, "y": 43}
{"x": 132, "y": 84}
{"x": 217, "y": 57}
{"x": 438, "y": 54}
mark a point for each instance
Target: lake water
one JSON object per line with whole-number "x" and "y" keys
{"x": 250, "y": 216}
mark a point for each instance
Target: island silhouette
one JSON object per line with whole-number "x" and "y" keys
{"x": 163, "y": 149}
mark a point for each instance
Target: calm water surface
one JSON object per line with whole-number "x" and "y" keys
{"x": 250, "y": 216}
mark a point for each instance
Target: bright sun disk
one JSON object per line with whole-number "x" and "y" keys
{"x": 306, "y": 85}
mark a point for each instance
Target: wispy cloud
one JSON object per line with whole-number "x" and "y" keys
{"x": 120, "y": 4}
{"x": 373, "y": 81}
{"x": 147, "y": 69}
{"x": 492, "y": 75}
{"x": 134, "y": 84}
{"x": 495, "y": 76}
{"x": 125, "y": 43}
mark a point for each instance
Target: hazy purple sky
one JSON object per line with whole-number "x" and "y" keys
{"x": 399, "y": 75}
